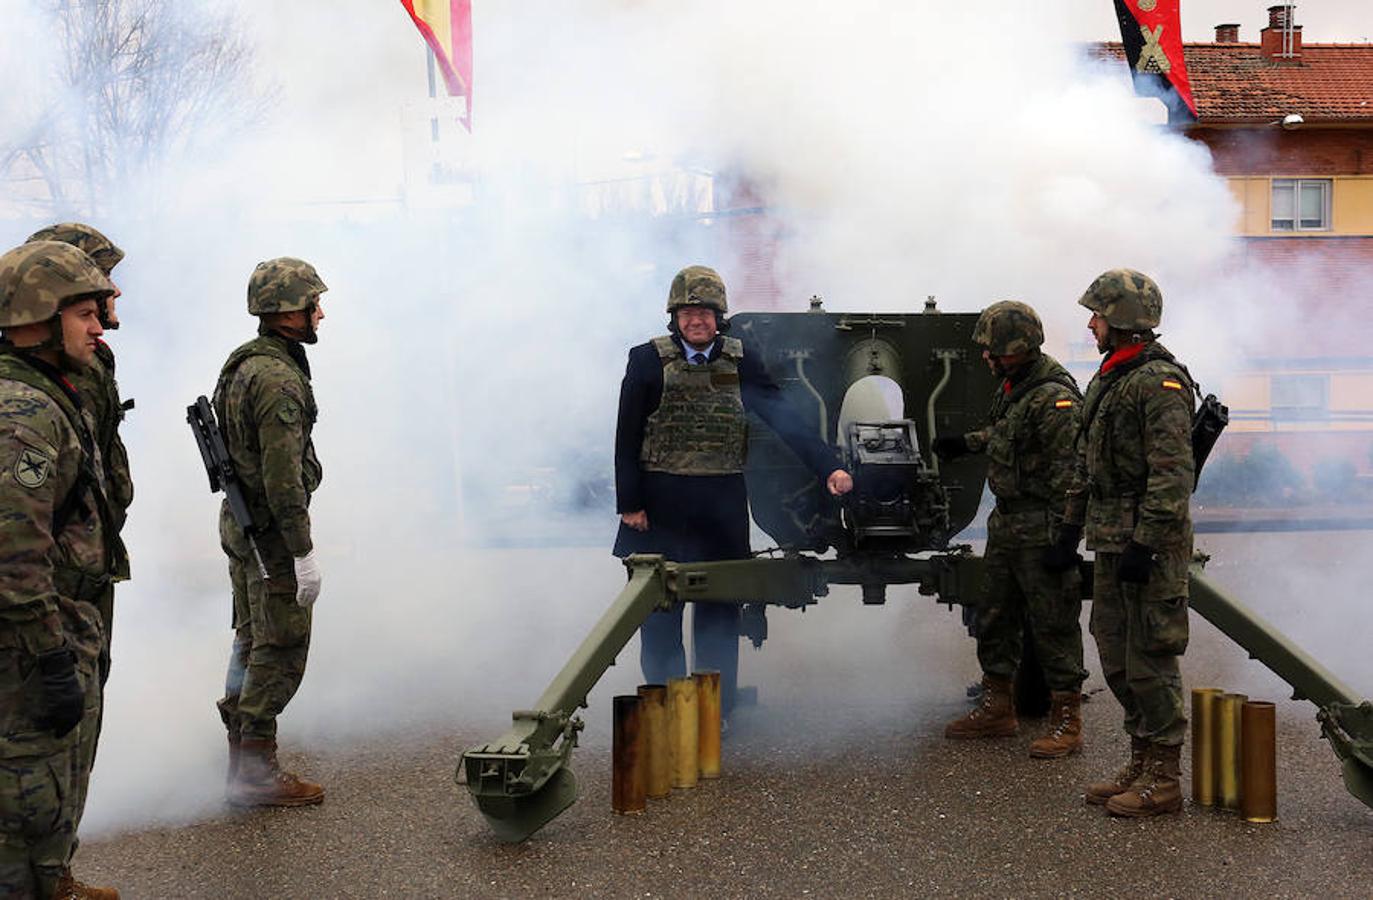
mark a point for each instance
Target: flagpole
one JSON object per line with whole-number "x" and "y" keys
{"x": 433, "y": 92}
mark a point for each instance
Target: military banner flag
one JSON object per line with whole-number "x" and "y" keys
{"x": 1152, "y": 33}
{"x": 447, "y": 28}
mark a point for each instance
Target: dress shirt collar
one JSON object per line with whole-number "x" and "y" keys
{"x": 689, "y": 351}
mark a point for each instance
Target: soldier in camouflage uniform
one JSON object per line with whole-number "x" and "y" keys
{"x": 1132, "y": 489}
{"x": 1029, "y": 446}
{"x": 100, "y": 396}
{"x": 59, "y": 554}
{"x": 679, "y": 462}
{"x": 266, "y": 407}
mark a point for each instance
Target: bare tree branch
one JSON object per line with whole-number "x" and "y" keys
{"x": 145, "y": 87}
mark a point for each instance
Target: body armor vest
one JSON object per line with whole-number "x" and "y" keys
{"x": 88, "y": 483}
{"x": 242, "y": 439}
{"x": 699, "y": 426}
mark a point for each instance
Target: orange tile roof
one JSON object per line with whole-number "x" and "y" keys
{"x": 1236, "y": 83}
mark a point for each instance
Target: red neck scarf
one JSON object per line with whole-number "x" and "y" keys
{"x": 1121, "y": 355}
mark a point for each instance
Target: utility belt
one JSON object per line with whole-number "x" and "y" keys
{"x": 1098, "y": 492}
{"x": 74, "y": 584}
{"x": 1011, "y": 507}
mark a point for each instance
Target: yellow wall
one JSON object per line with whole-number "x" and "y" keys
{"x": 1247, "y": 391}
{"x": 1252, "y": 195}
{"x": 1351, "y": 392}
{"x": 1349, "y": 402}
{"x": 1351, "y": 206}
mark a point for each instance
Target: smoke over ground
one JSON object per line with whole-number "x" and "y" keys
{"x": 468, "y": 368}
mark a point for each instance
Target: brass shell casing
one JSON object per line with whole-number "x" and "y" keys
{"x": 683, "y": 725}
{"x": 657, "y": 751}
{"x": 627, "y": 756}
{"x": 1259, "y": 762}
{"x": 1203, "y": 745}
{"x": 708, "y": 722}
{"x": 1228, "y": 750}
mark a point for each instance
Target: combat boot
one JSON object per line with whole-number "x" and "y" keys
{"x": 1066, "y": 736}
{"x": 994, "y": 715}
{"x": 1156, "y": 791}
{"x": 68, "y": 888}
{"x": 232, "y": 773}
{"x": 1098, "y": 792}
{"x": 260, "y": 781}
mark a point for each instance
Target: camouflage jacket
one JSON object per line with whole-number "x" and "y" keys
{"x": 266, "y": 408}
{"x": 1134, "y": 474}
{"x": 1029, "y": 448}
{"x": 100, "y": 396}
{"x": 54, "y": 520}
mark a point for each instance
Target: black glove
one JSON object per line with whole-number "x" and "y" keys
{"x": 63, "y": 699}
{"x": 1135, "y": 564}
{"x": 1062, "y": 555}
{"x": 951, "y": 447}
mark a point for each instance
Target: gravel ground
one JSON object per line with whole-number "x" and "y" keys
{"x": 837, "y": 785}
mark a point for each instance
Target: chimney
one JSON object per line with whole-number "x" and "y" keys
{"x": 1281, "y": 40}
{"x": 1228, "y": 33}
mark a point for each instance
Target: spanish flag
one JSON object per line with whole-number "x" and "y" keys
{"x": 1151, "y": 31}
{"x": 447, "y": 28}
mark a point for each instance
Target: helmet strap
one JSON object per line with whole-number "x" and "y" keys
{"x": 103, "y": 307}
{"x": 50, "y": 347}
{"x": 306, "y": 335}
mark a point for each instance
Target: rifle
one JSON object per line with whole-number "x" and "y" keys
{"x": 220, "y": 467}
{"x": 1207, "y": 424}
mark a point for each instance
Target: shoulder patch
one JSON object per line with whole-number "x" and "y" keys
{"x": 1063, "y": 404}
{"x": 288, "y": 412}
{"x": 1172, "y": 385}
{"x": 32, "y": 468}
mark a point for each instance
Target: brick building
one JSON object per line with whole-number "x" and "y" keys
{"x": 1289, "y": 125}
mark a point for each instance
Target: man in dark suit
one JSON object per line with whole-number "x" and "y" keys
{"x": 679, "y": 464}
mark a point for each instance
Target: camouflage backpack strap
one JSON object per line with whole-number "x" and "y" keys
{"x": 258, "y": 346}
{"x": 1118, "y": 375}
{"x": 1062, "y": 378}
{"x": 1186, "y": 376}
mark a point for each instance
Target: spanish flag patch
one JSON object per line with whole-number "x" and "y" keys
{"x": 1062, "y": 404}
{"x": 1172, "y": 385}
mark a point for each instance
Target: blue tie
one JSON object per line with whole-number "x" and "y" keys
{"x": 698, "y": 358}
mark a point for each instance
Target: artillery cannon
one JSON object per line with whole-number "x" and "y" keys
{"x": 841, "y": 371}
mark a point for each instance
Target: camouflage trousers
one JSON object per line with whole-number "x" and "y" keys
{"x": 271, "y": 642}
{"x": 1019, "y": 591}
{"x": 1141, "y": 632}
{"x": 43, "y": 778}
{"x": 90, "y": 735}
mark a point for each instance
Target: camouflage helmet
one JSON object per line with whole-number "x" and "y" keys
{"x": 1126, "y": 299}
{"x": 39, "y": 278}
{"x": 1008, "y": 327}
{"x": 284, "y": 284}
{"x": 697, "y": 286}
{"x": 86, "y": 239}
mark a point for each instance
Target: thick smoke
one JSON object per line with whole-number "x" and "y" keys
{"x": 468, "y": 367}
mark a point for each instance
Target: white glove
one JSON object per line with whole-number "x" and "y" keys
{"x": 307, "y": 580}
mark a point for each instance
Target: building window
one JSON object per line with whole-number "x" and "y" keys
{"x": 1300, "y": 396}
{"x": 1301, "y": 204}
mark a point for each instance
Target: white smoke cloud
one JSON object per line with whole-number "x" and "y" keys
{"x": 469, "y": 363}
